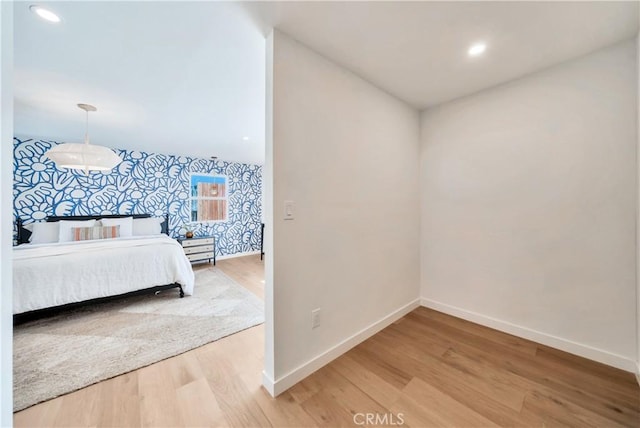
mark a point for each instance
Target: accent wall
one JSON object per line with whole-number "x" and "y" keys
{"x": 143, "y": 183}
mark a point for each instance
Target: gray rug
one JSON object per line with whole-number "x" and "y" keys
{"x": 69, "y": 351}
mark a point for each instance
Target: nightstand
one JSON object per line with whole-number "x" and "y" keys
{"x": 199, "y": 248}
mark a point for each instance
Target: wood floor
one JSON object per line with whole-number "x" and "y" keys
{"x": 428, "y": 369}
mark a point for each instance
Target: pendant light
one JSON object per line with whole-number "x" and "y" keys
{"x": 84, "y": 156}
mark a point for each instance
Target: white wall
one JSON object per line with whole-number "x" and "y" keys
{"x": 528, "y": 201}
{"x": 268, "y": 213}
{"x": 345, "y": 152}
{"x": 638, "y": 215}
{"x": 6, "y": 219}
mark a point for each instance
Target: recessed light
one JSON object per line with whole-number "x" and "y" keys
{"x": 44, "y": 13}
{"x": 245, "y": 138}
{"x": 477, "y": 49}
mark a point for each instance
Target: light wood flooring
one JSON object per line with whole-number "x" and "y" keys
{"x": 428, "y": 369}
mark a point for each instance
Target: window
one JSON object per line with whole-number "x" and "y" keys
{"x": 208, "y": 198}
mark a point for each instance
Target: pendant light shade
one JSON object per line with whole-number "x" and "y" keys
{"x": 87, "y": 157}
{"x": 84, "y": 156}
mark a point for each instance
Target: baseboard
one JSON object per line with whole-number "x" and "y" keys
{"x": 268, "y": 383}
{"x": 579, "y": 349}
{"x": 287, "y": 381}
{"x": 231, "y": 256}
{"x": 638, "y": 372}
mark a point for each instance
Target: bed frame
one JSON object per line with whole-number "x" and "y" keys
{"x": 55, "y": 310}
{"x": 23, "y": 237}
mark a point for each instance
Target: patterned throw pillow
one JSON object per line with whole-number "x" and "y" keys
{"x": 96, "y": 232}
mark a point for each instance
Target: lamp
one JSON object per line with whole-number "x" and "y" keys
{"x": 84, "y": 156}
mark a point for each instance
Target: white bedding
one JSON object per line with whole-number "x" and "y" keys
{"x": 46, "y": 275}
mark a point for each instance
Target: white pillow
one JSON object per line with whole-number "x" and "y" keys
{"x": 147, "y": 226}
{"x": 43, "y": 232}
{"x": 65, "y": 234}
{"x": 125, "y": 223}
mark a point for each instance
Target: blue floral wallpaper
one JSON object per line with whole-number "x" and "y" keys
{"x": 142, "y": 183}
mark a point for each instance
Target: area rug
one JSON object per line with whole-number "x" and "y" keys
{"x": 77, "y": 348}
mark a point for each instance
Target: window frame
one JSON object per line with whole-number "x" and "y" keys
{"x": 208, "y": 198}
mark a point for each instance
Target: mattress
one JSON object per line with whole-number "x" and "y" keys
{"x": 47, "y": 275}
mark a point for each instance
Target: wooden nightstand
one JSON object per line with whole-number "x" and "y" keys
{"x": 199, "y": 248}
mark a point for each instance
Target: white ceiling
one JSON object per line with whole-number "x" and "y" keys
{"x": 186, "y": 79}
{"x": 417, "y": 51}
{"x": 189, "y": 78}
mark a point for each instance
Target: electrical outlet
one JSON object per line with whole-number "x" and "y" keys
{"x": 315, "y": 318}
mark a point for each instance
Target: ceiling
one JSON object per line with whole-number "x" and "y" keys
{"x": 417, "y": 51}
{"x": 189, "y": 78}
{"x": 185, "y": 79}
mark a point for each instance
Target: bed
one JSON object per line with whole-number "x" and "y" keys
{"x": 58, "y": 274}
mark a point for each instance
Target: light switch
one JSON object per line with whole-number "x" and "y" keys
{"x": 288, "y": 210}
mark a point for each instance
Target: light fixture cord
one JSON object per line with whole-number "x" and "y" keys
{"x": 86, "y": 134}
